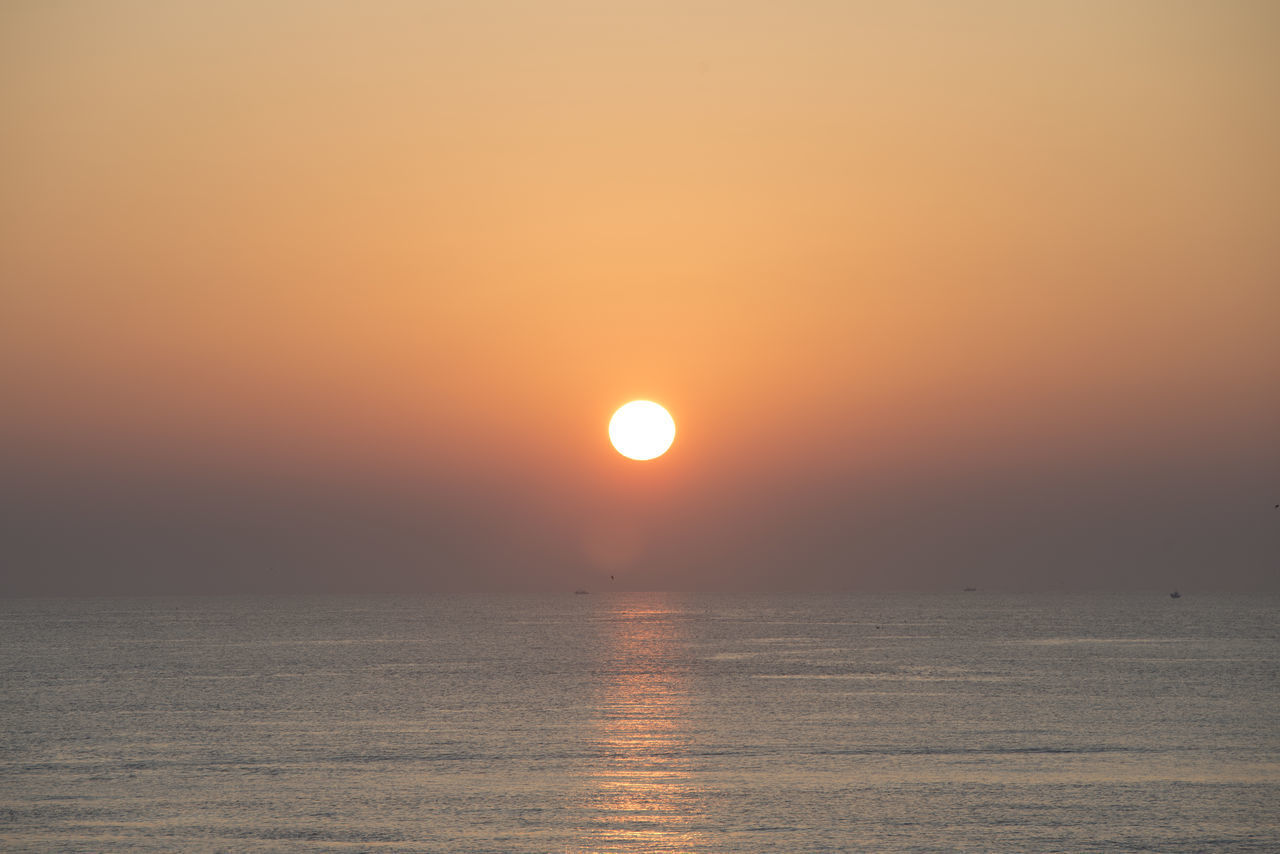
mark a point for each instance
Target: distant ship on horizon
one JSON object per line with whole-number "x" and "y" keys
{"x": 1175, "y": 595}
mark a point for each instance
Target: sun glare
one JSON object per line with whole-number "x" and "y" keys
{"x": 642, "y": 430}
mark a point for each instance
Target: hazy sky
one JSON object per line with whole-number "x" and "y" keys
{"x": 340, "y": 296}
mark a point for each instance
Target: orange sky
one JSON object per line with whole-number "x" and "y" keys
{"x": 845, "y": 243}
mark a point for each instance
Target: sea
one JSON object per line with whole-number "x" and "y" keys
{"x": 612, "y": 722}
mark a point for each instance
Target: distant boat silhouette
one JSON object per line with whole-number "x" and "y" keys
{"x": 580, "y": 592}
{"x": 970, "y": 589}
{"x": 1175, "y": 595}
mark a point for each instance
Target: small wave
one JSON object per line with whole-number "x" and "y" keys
{"x": 1067, "y": 641}
{"x": 883, "y": 677}
{"x": 989, "y": 750}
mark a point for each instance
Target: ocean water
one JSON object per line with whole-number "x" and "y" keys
{"x": 641, "y": 723}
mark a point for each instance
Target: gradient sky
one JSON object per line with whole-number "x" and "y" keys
{"x": 315, "y": 296}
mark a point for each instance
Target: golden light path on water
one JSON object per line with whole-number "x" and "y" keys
{"x": 644, "y": 795}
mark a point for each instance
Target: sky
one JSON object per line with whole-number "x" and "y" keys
{"x": 340, "y": 297}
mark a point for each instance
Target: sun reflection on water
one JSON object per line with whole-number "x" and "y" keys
{"x": 644, "y": 795}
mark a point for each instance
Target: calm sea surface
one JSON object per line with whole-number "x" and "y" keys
{"x": 647, "y": 722}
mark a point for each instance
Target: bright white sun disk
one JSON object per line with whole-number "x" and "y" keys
{"x": 642, "y": 430}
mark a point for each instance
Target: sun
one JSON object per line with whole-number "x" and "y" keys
{"x": 642, "y": 430}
